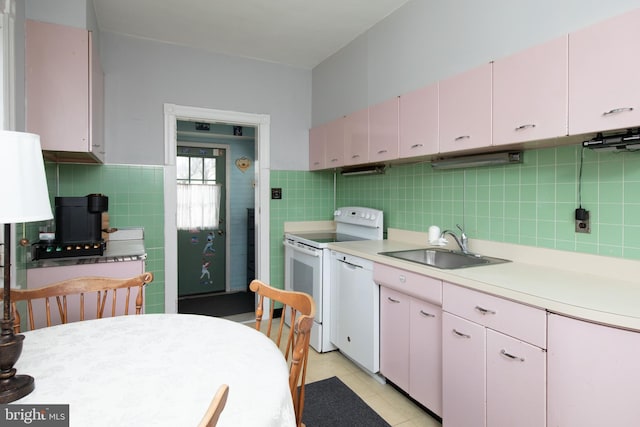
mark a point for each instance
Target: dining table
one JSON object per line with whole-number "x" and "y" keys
{"x": 157, "y": 370}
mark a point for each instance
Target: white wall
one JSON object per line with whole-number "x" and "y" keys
{"x": 74, "y": 13}
{"x": 142, "y": 75}
{"x": 427, "y": 40}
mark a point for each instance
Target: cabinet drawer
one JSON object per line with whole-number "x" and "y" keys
{"x": 517, "y": 320}
{"x": 414, "y": 284}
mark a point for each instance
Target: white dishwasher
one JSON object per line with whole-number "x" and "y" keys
{"x": 355, "y": 310}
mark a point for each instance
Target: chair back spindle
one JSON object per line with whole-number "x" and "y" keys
{"x": 301, "y": 312}
{"x": 76, "y": 289}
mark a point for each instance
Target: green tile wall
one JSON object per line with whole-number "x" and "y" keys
{"x": 136, "y": 199}
{"x": 530, "y": 204}
{"x": 306, "y": 196}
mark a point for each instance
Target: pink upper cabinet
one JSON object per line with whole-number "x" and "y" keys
{"x": 604, "y": 88}
{"x": 316, "y": 147}
{"x": 419, "y": 122}
{"x": 465, "y": 110}
{"x": 64, "y": 89}
{"x": 334, "y": 143}
{"x": 383, "y": 131}
{"x": 530, "y": 94}
{"x": 356, "y": 137}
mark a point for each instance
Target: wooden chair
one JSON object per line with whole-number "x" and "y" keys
{"x": 210, "y": 418}
{"x": 105, "y": 290}
{"x": 301, "y": 309}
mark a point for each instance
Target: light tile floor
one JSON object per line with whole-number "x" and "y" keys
{"x": 389, "y": 403}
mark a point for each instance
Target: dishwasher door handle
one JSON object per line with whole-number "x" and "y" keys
{"x": 349, "y": 265}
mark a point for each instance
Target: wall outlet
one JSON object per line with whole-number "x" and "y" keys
{"x": 583, "y": 224}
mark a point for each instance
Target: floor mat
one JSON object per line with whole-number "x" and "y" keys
{"x": 220, "y": 305}
{"x": 330, "y": 403}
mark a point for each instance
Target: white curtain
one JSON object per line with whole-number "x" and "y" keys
{"x": 198, "y": 206}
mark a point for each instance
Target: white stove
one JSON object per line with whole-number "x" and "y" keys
{"x": 308, "y": 266}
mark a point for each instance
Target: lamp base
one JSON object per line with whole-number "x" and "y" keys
{"x": 12, "y": 386}
{"x": 16, "y": 387}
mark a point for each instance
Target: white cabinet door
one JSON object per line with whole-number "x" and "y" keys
{"x": 394, "y": 337}
{"x": 463, "y": 372}
{"x": 593, "y": 375}
{"x": 425, "y": 354}
{"x": 604, "y": 88}
{"x": 516, "y": 382}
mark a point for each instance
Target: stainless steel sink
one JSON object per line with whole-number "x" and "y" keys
{"x": 444, "y": 258}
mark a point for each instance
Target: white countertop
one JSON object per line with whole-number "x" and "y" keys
{"x": 599, "y": 289}
{"x": 123, "y": 245}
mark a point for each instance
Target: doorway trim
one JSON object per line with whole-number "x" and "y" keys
{"x": 262, "y": 123}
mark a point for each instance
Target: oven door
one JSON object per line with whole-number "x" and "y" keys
{"x": 303, "y": 271}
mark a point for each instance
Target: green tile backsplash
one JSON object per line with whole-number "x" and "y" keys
{"x": 136, "y": 199}
{"x": 532, "y": 203}
{"x": 306, "y": 196}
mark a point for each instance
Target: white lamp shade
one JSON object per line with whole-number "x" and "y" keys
{"x": 24, "y": 196}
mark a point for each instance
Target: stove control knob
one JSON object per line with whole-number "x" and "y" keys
{"x": 373, "y": 217}
{"x": 337, "y": 213}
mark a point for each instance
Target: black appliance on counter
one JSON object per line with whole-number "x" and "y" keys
{"x": 78, "y": 228}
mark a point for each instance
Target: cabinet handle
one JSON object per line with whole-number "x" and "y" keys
{"x": 334, "y": 160}
{"x": 402, "y": 278}
{"x": 460, "y": 334}
{"x": 511, "y": 356}
{"x": 484, "y": 311}
{"x": 355, "y": 156}
{"x": 425, "y": 314}
{"x": 417, "y": 146}
{"x": 523, "y": 127}
{"x": 382, "y": 151}
{"x": 316, "y": 163}
{"x": 617, "y": 110}
{"x": 395, "y": 301}
{"x": 458, "y": 138}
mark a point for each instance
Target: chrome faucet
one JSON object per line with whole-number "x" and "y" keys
{"x": 462, "y": 241}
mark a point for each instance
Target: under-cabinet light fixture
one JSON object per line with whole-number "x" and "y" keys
{"x": 363, "y": 170}
{"x": 628, "y": 141}
{"x": 475, "y": 160}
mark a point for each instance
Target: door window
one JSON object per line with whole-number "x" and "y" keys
{"x": 198, "y": 192}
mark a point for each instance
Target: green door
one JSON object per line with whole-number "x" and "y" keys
{"x": 201, "y": 173}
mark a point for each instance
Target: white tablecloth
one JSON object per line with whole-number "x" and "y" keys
{"x": 157, "y": 370}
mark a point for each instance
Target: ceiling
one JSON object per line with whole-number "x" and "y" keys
{"x": 300, "y": 33}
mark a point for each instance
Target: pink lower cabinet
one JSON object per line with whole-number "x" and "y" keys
{"x": 40, "y": 277}
{"x": 494, "y": 361}
{"x": 411, "y": 334}
{"x": 394, "y": 336}
{"x": 425, "y": 354}
{"x": 594, "y": 378}
{"x": 463, "y": 372}
{"x": 516, "y": 381}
